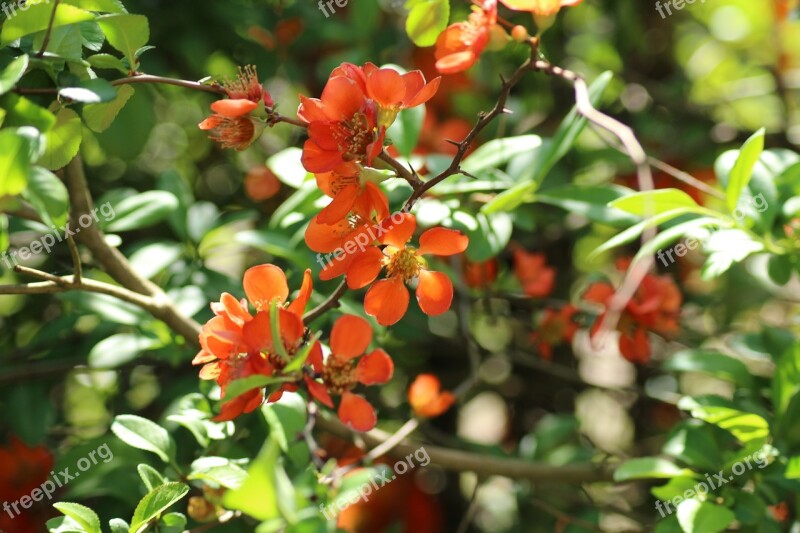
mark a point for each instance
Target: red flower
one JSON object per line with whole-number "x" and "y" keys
{"x": 479, "y": 274}
{"x": 23, "y": 468}
{"x": 555, "y": 328}
{"x": 231, "y": 124}
{"x": 261, "y": 184}
{"x": 342, "y": 126}
{"x": 459, "y": 46}
{"x": 536, "y": 278}
{"x": 350, "y": 339}
{"x": 354, "y": 192}
{"x": 655, "y": 307}
{"x": 391, "y": 91}
{"x": 232, "y": 342}
{"x": 387, "y": 300}
{"x": 426, "y": 397}
{"x": 544, "y": 8}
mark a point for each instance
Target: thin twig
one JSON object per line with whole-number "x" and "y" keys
{"x": 307, "y": 434}
{"x": 138, "y": 78}
{"x": 76, "y": 259}
{"x": 472, "y": 508}
{"x": 48, "y": 33}
{"x": 329, "y": 303}
{"x": 401, "y": 171}
{"x": 483, "y": 465}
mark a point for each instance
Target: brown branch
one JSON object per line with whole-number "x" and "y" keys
{"x": 138, "y": 78}
{"x": 329, "y": 303}
{"x": 48, "y": 33}
{"x": 117, "y": 265}
{"x": 481, "y": 464}
{"x": 402, "y": 172}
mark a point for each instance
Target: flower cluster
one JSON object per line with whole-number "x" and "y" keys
{"x": 273, "y": 342}
{"x": 655, "y": 307}
{"x": 232, "y": 124}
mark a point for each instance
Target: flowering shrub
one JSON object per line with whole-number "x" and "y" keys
{"x": 589, "y": 319}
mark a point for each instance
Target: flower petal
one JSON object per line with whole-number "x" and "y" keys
{"x": 442, "y": 241}
{"x": 398, "y": 233}
{"x": 434, "y": 292}
{"x": 375, "y": 368}
{"x": 298, "y": 306}
{"x": 350, "y": 336}
{"x": 233, "y": 108}
{"x": 386, "y": 87}
{"x": 387, "y": 301}
{"x": 319, "y": 392}
{"x": 341, "y": 205}
{"x": 341, "y": 98}
{"x": 356, "y": 413}
{"x": 364, "y": 268}
{"x": 264, "y": 283}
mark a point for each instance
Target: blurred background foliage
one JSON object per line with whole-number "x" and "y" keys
{"x": 692, "y": 85}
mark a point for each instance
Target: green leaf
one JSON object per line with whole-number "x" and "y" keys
{"x": 300, "y": 358}
{"x": 692, "y": 443}
{"x": 709, "y": 362}
{"x": 591, "y": 202}
{"x": 749, "y": 428}
{"x": 13, "y": 73}
{"x": 23, "y": 112}
{"x": 126, "y": 33}
{"x": 63, "y": 141}
{"x": 552, "y": 151}
{"x": 286, "y": 165}
{"x": 650, "y": 203}
{"x": 240, "y": 386}
{"x": 649, "y": 468}
{"x": 172, "y": 523}
{"x": 116, "y": 350}
{"x": 743, "y": 168}
{"x": 218, "y": 470}
{"x": 14, "y": 162}
{"x": 426, "y": 20}
{"x": 780, "y": 268}
{"x": 99, "y": 117}
{"x": 37, "y": 17}
{"x": 107, "y": 61}
{"x": 49, "y": 196}
{"x": 286, "y": 419}
{"x": 150, "y": 476}
{"x": 406, "y": 128}
{"x": 118, "y": 525}
{"x": 155, "y": 502}
{"x": 257, "y": 496}
{"x": 64, "y": 524}
{"x": 102, "y": 6}
{"x": 143, "y": 434}
{"x": 81, "y": 514}
{"x": 90, "y": 92}
{"x": 676, "y": 486}
{"x": 695, "y": 516}
{"x": 499, "y": 151}
{"x": 629, "y": 235}
{"x": 142, "y": 210}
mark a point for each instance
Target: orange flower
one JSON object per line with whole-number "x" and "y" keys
{"x": 342, "y": 126}
{"x": 536, "y": 278}
{"x": 459, "y": 45}
{"x": 350, "y": 339}
{"x": 655, "y": 307}
{"x": 426, "y": 397}
{"x": 261, "y": 184}
{"x": 232, "y": 341}
{"x": 387, "y": 300}
{"x": 479, "y": 274}
{"x": 391, "y": 91}
{"x": 231, "y": 124}
{"x": 555, "y": 328}
{"x": 354, "y": 192}
{"x": 543, "y": 8}
{"x": 23, "y": 468}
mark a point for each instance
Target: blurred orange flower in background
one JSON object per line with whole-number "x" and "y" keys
{"x": 427, "y": 398}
